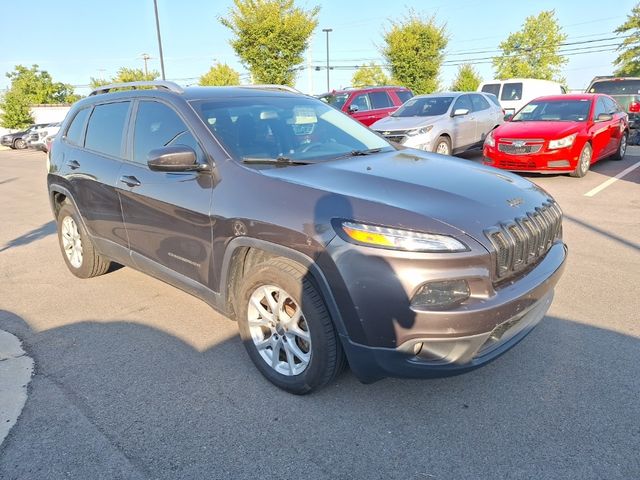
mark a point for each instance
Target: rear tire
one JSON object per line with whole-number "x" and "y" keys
{"x": 78, "y": 251}
{"x": 286, "y": 328}
{"x": 622, "y": 147}
{"x": 584, "y": 162}
{"x": 443, "y": 146}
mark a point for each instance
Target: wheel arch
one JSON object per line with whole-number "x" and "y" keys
{"x": 244, "y": 252}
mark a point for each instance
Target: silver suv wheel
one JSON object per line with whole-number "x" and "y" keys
{"x": 279, "y": 330}
{"x": 71, "y": 242}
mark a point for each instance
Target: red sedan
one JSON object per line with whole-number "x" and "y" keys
{"x": 559, "y": 134}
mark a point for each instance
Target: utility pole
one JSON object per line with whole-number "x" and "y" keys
{"x": 145, "y": 57}
{"x": 327, "y": 30}
{"x": 155, "y": 6}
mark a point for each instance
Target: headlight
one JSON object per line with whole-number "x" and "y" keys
{"x": 490, "y": 141}
{"x": 563, "y": 142}
{"x": 420, "y": 131}
{"x": 397, "y": 239}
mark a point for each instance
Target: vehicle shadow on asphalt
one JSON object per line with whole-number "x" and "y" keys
{"x": 593, "y": 228}
{"x": 42, "y": 231}
{"x": 117, "y": 398}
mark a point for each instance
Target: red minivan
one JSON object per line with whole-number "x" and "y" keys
{"x": 369, "y": 104}
{"x": 559, "y": 134}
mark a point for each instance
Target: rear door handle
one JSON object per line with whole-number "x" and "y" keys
{"x": 130, "y": 180}
{"x": 73, "y": 164}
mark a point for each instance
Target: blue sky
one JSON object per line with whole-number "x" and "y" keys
{"x": 78, "y": 39}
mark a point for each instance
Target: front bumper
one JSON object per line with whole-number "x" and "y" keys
{"x": 562, "y": 160}
{"x": 6, "y": 141}
{"x": 398, "y": 341}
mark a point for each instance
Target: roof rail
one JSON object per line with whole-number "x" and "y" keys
{"x": 285, "y": 88}
{"x": 159, "y": 84}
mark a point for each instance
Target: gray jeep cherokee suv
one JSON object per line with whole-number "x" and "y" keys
{"x": 325, "y": 242}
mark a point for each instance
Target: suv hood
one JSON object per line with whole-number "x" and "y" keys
{"x": 404, "y": 123}
{"x": 464, "y": 195}
{"x": 544, "y": 130}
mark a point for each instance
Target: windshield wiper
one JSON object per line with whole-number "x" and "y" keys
{"x": 369, "y": 151}
{"x": 274, "y": 161}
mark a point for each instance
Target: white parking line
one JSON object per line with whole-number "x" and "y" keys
{"x": 605, "y": 184}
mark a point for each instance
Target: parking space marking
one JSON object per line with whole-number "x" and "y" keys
{"x": 605, "y": 184}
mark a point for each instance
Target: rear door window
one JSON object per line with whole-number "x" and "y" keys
{"x": 404, "y": 95}
{"x": 512, "y": 91}
{"x": 106, "y": 128}
{"x": 76, "y": 129}
{"x": 491, "y": 88}
{"x": 380, "y": 100}
{"x": 479, "y": 103}
{"x": 158, "y": 125}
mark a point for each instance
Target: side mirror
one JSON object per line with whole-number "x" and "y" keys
{"x": 508, "y": 117}
{"x": 459, "y": 112}
{"x": 353, "y": 109}
{"x": 176, "y": 158}
{"x": 604, "y": 117}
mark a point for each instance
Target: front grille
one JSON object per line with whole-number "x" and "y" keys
{"x": 524, "y": 241}
{"x": 512, "y": 149}
{"x": 397, "y": 136}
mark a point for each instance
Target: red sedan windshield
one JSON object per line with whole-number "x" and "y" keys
{"x": 554, "y": 111}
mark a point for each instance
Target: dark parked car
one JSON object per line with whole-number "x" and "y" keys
{"x": 624, "y": 90}
{"x": 17, "y": 140}
{"x": 368, "y": 104}
{"x": 324, "y": 241}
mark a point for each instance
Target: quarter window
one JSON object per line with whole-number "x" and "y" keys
{"x": 75, "y": 130}
{"x": 106, "y": 128}
{"x": 380, "y": 100}
{"x": 157, "y": 126}
{"x": 404, "y": 95}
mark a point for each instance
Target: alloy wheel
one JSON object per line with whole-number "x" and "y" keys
{"x": 442, "y": 148}
{"x": 623, "y": 145}
{"x": 279, "y": 330}
{"x": 585, "y": 160}
{"x": 71, "y": 241}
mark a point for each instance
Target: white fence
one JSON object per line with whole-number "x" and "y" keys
{"x": 44, "y": 114}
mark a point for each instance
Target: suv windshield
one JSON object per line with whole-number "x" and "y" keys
{"x": 294, "y": 128}
{"x": 424, "y": 107}
{"x": 617, "y": 87}
{"x": 335, "y": 100}
{"x": 554, "y": 111}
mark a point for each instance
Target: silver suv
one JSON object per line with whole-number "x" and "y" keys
{"x": 446, "y": 123}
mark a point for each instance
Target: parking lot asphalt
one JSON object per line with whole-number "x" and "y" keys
{"x": 136, "y": 379}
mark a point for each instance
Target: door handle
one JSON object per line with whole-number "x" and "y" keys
{"x": 73, "y": 164}
{"x": 130, "y": 180}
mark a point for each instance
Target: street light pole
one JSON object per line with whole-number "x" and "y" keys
{"x": 327, "y": 30}
{"x": 155, "y": 6}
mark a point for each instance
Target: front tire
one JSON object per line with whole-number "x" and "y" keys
{"x": 443, "y": 146}
{"x": 286, "y": 328}
{"x": 622, "y": 147}
{"x": 19, "y": 144}
{"x": 584, "y": 162}
{"x": 77, "y": 249}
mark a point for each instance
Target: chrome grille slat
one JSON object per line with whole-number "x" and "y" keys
{"x": 525, "y": 240}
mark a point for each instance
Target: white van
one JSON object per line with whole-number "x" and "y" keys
{"x": 515, "y": 93}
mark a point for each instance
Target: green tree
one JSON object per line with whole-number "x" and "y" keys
{"x": 31, "y": 86}
{"x": 467, "y": 79}
{"x": 220, "y": 74}
{"x": 125, "y": 74}
{"x": 414, "y": 49}
{"x": 270, "y": 37}
{"x": 16, "y": 111}
{"x": 369, "y": 75}
{"x": 628, "y": 62}
{"x": 533, "y": 52}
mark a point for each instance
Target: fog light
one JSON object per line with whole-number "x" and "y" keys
{"x": 441, "y": 295}
{"x": 558, "y": 163}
